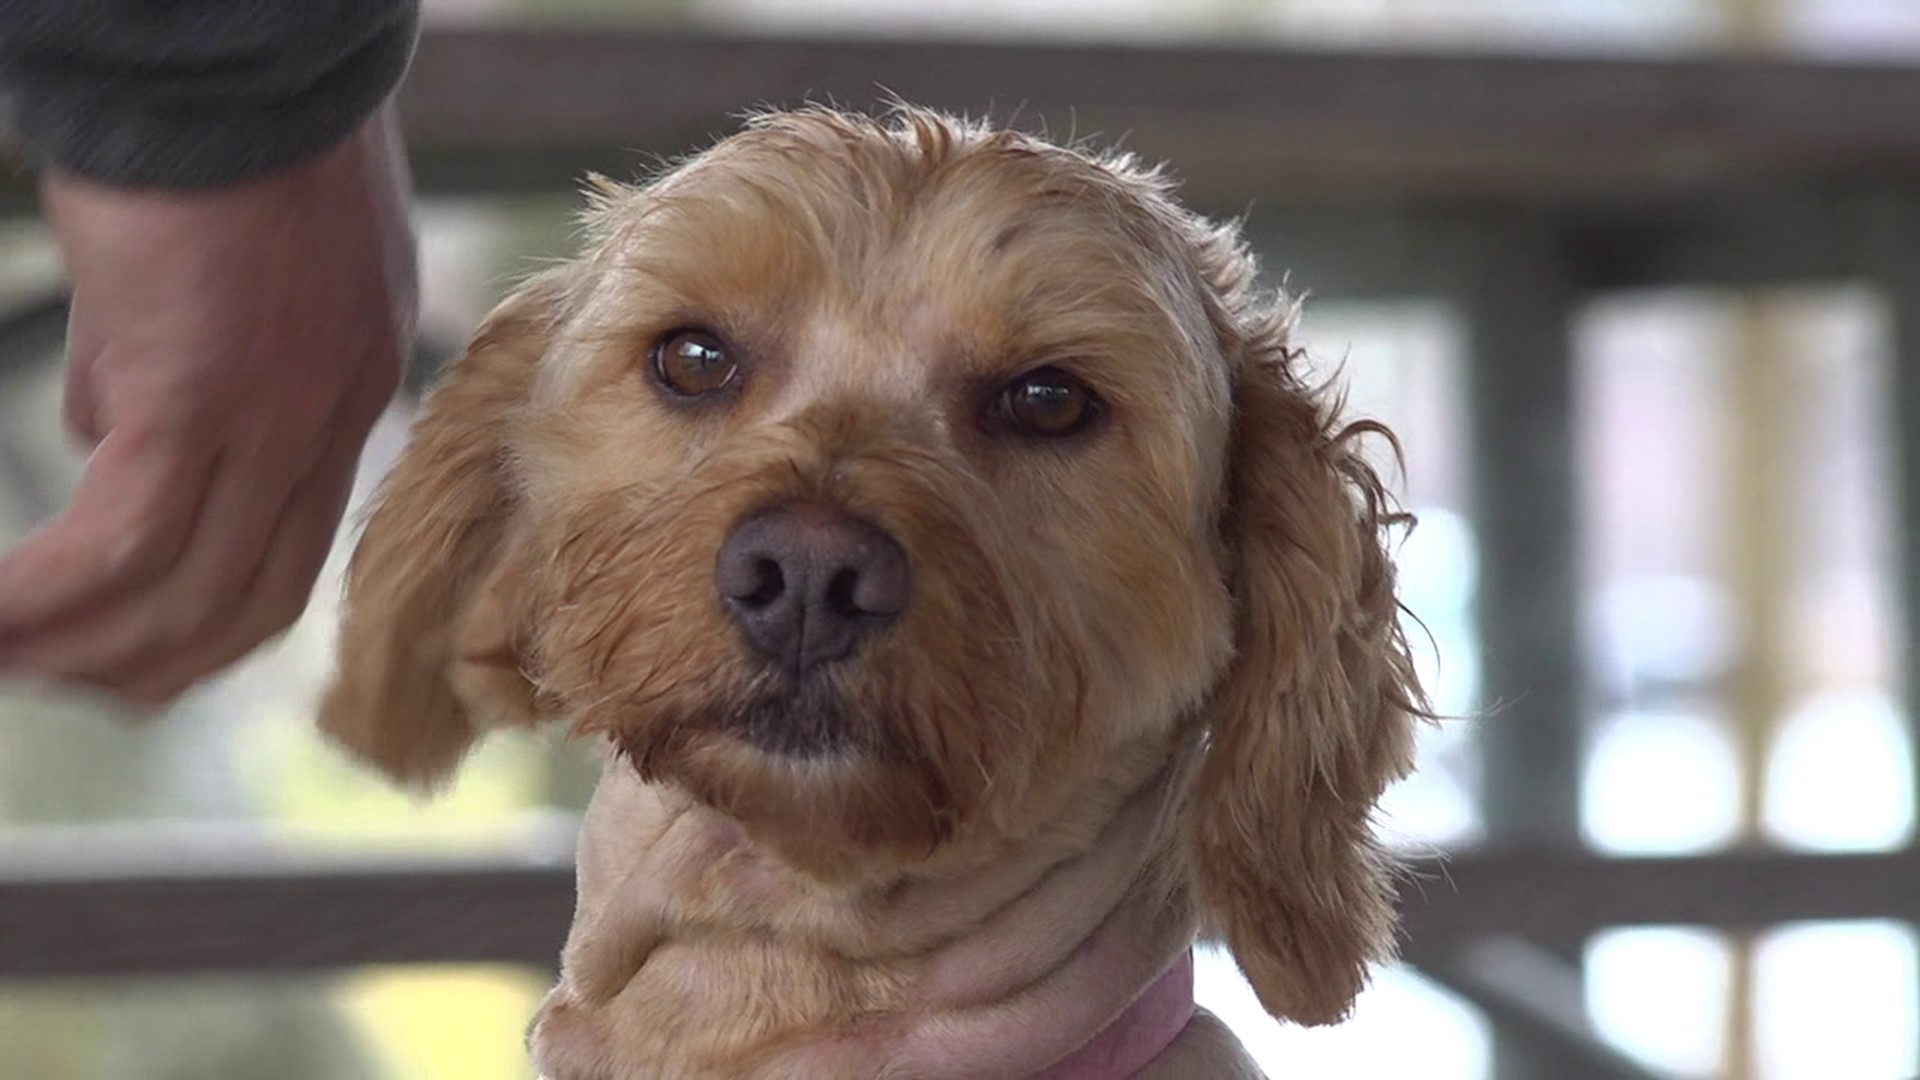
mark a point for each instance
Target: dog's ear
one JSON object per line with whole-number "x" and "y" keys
{"x": 431, "y": 642}
{"x": 1316, "y": 714}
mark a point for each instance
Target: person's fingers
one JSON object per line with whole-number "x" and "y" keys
{"x": 208, "y": 609}
{"x": 138, "y": 499}
{"x": 79, "y": 408}
{"x": 245, "y": 500}
{"x": 276, "y": 595}
{"x": 80, "y": 402}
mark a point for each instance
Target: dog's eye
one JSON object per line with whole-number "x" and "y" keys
{"x": 1048, "y": 402}
{"x": 693, "y": 363}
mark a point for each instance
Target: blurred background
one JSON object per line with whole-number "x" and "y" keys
{"x": 1629, "y": 277}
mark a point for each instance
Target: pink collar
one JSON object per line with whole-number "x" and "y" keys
{"x": 1138, "y": 1035}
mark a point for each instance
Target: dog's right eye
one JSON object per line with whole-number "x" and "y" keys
{"x": 1048, "y": 403}
{"x": 693, "y": 363}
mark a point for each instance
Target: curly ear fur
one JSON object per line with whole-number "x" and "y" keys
{"x": 430, "y": 645}
{"x": 1316, "y": 715}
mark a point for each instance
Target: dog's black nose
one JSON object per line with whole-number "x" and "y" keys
{"x": 807, "y": 583}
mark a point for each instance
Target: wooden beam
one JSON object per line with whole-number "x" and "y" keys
{"x": 167, "y": 908}
{"x": 1546, "y": 895}
{"x": 1235, "y": 120}
{"x": 527, "y": 107}
{"x": 1751, "y": 240}
{"x": 282, "y": 921}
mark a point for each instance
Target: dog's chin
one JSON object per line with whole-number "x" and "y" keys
{"x": 801, "y": 721}
{"x": 793, "y": 723}
{"x": 827, "y": 785}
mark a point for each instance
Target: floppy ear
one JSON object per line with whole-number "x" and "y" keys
{"x": 431, "y": 641}
{"x": 1315, "y": 716}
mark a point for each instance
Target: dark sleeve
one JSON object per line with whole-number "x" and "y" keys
{"x": 196, "y": 93}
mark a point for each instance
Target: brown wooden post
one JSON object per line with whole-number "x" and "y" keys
{"x": 1761, "y": 562}
{"x": 1758, "y": 538}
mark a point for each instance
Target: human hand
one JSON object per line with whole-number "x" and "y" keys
{"x": 228, "y": 354}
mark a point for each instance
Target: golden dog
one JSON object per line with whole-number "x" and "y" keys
{"x": 975, "y": 599}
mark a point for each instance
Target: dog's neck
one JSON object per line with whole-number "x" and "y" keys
{"x": 694, "y": 953}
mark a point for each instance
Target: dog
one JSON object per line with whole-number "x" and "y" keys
{"x": 974, "y": 599}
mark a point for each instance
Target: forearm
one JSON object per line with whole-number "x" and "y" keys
{"x": 196, "y": 93}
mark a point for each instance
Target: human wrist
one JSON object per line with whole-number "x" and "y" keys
{"x": 337, "y": 222}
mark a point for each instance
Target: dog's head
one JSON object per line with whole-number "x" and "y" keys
{"x": 885, "y": 484}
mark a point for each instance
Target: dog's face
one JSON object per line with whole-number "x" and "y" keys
{"x": 815, "y": 353}
{"x": 887, "y": 486}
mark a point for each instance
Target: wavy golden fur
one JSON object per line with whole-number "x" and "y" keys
{"x": 1200, "y": 578}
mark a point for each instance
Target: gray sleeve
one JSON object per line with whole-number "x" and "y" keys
{"x": 196, "y": 93}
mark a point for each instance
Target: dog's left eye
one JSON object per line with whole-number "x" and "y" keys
{"x": 1048, "y": 402}
{"x": 693, "y": 363}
